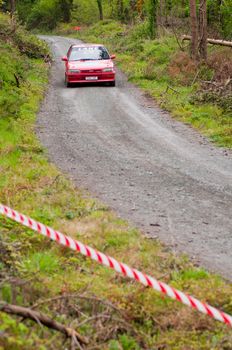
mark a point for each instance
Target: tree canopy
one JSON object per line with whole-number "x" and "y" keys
{"x": 212, "y": 15}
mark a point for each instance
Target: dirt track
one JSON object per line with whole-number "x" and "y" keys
{"x": 159, "y": 174}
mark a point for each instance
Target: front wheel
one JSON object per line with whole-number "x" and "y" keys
{"x": 112, "y": 83}
{"x": 67, "y": 84}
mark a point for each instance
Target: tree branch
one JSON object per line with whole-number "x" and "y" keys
{"x": 210, "y": 41}
{"x": 81, "y": 297}
{"x": 43, "y": 319}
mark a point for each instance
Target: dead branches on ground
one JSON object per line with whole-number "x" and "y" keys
{"x": 104, "y": 319}
{"x": 43, "y": 319}
{"x": 211, "y": 41}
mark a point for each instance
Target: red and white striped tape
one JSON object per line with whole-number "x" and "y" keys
{"x": 116, "y": 265}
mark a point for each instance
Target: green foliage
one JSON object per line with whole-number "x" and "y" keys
{"x": 43, "y": 262}
{"x": 30, "y": 45}
{"x": 152, "y": 17}
{"x": 226, "y": 19}
{"x": 22, "y": 40}
{"x": 6, "y": 293}
{"x": 224, "y": 101}
{"x": 34, "y": 270}
{"x": 139, "y": 32}
{"x": 15, "y": 335}
{"x": 85, "y": 12}
{"x": 10, "y": 95}
{"x": 45, "y": 14}
{"x": 220, "y": 16}
{"x": 192, "y": 274}
{"x": 65, "y": 9}
{"x": 108, "y": 28}
{"x": 128, "y": 343}
{"x": 24, "y": 8}
{"x": 157, "y": 64}
{"x": 124, "y": 343}
{"x": 14, "y": 64}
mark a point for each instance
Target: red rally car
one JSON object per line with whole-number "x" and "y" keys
{"x": 88, "y": 63}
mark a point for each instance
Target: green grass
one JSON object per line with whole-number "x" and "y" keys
{"x": 154, "y": 65}
{"x": 35, "y": 270}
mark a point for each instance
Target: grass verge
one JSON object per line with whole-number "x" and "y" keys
{"x": 112, "y": 312}
{"x": 196, "y": 94}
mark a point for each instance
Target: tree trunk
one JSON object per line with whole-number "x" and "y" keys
{"x": 120, "y": 9}
{"x": 66, "y": 7}
{"x": 168, "y": 10}
{"x": 211, "y": 41}
{"x": 161, "y": 11}
{"x": 12, "y": 8}
{"x": 153, "y": 18}
{"x": 139, "y": 6}
{"x": 100, "y": 9}
{"x": 203, "y": 29}
{"x": 12, "y": 17}
{"x": 194, "y": 31}
{"x": 133, "y": 5}
{"x": 219, "y": 12}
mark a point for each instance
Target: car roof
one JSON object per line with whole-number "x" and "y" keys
{"x": 86, "y": 45}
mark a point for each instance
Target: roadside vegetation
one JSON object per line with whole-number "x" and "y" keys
{"x": 110, "y": 311}
{"x": 191, "y": 80}
{"x": 196, "y": 93}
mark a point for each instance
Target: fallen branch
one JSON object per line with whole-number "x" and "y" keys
{"x": 170, "y": 88}
{"x": 195, "y": 77}
{"x": 175, "y": 34}
{"x": 44, "y": 320}
{"x": 209, "y": 82}
{"x": 17, "y": 80}
{"x": 228, "y": 81}
{"x": 210, "y": 41}
{"x": 78, "y": 296}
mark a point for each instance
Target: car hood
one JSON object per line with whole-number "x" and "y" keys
{"x": 98, "y": 64}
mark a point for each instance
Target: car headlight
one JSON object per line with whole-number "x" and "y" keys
{"x": 74, "y": 71}
{"x": 108, "y": 70}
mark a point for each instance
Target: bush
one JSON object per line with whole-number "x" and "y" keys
{"x": 27, "y": 44}
{"x": 182, "y": 68}
{"x": 219, "y": 17}
{"x": 10, "y": 69}
{"x": 226, "y": 27}
{"x": 15, "y": 64}
{"x": 45, "y": 15}
{"x": 23, "y": 10}
{"x": 31, "y": 45}
{"x": 140, "y": 31}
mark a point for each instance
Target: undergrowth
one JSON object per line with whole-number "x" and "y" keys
{"x": 196, "y": 94}
{"x": 113, "y": 312}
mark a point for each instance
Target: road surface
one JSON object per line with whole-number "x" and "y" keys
{"x": 158, "y": 173}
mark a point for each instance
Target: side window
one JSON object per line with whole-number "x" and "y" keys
{"x": 69, "y": 51}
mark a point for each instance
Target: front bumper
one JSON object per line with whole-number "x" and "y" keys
{"x": 90, "y": 78}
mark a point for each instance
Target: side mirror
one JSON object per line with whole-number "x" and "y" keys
{"x": 112, "y": 57}
{"x": 65, "y": 58}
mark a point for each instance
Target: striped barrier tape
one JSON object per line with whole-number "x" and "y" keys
{"x": 108, "y": 261}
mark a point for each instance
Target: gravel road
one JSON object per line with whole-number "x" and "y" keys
{"x": 157, "y": 173}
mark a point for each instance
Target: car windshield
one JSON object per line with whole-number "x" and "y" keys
{"x": 88, "y": 53}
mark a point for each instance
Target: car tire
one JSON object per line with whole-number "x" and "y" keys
{"x": 112, "y": 83}
{"x": 67, "y": 84}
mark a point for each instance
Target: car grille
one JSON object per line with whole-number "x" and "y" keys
{"x": 91, "y": 71}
